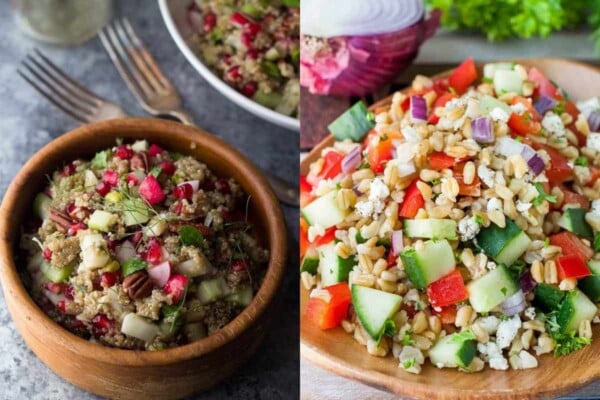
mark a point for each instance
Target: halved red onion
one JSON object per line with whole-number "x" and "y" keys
{"x": 125, "y": 251}
{"x": 418, "y": 109}
{"x": 397, "y": 242}
{"x": 514, "y": 304}
{"x": 544, "y": 104}
{"x": 195, "y": 184}
{"x": 526, "y": 282}
{"x": 534, "y": 161}
{"x": 160, "y": 274}
{"x": 481, "y": 130}
{"x": 508, "y": 147}
{"x": 594, "y": 120}
{"x": 352, "y": 160}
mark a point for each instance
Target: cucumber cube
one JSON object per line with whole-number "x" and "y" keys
{"x": 102, "y": 221}
{"x": 427, "y": 265}
{"x": 574, "y": 309}
{"x": 373, "y": 307}
{"x": 491, "y": 289}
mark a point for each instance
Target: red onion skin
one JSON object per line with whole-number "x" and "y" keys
{"x": 482, "y": 130}
{"x": 526, "y": 282}
{"x": 512, "y": 309}
{"x": 397, "y": 242}
{"x": 352, "y": 160}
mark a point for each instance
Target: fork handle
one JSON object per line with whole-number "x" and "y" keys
{"x": 183, "y": 117}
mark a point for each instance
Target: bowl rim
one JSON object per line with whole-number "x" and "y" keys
{"x": 382, "y": 381}
{"x": 292, "y": 124}
{"x": 274, "y": 228}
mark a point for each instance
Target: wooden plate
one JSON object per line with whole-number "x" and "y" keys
{"x": 339, "y": 353}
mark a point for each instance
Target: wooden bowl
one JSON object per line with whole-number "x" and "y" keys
{"x": 128, "y": 374}
{"x": 339, "y": 353}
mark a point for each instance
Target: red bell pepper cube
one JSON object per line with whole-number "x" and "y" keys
{"x": 447, "y": 314}
{"x": 449, "y": 289}
{"x": 413, "y": 201}
{"x": 473, "y": 189}
{"x": 328, "y": 315}
{"x": 380, "y": 150}
{"x": 327, "y": 237}
{"x": 543, "y": 87}
{"x": 463, "y": 76}
{"x": 439, "y": 161}
{"x": 575, "y": 198}
{"x": 571, "y": 266}
{"x": 571, "y": 245}
{"x": 559, "y": 170}
{"x": 332, "y": 165}
{"x": 304, "y": 243}
{"x": 305, "y": 192}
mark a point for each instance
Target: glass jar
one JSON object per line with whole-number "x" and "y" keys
{"x": 66, "y": 22}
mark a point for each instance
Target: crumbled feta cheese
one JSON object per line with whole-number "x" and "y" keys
{"x": 582, "y": 174}
{"x": 378, "y": 190}
{"x": 596, "y": 206}
{"x": 405, "y": 151}
{"x": 468, "y": 228}
{"x": 530, "y": 313}
{"x": 410, "y": 134}
{"x": 588, "y": 106}
{"x": 593, "y": 141}
{"x": 486, "y": 175}
{"x": 498, "y": 114}
{"x": 523, "y": 208}
{"x": 507, "y": 330}
{"x": 518, "y": 108}
{"x": 499, "y": 363}
{"x": 491, "y": 265}
{"x": 596, "y": 320}
{"x": 493, "y": 355}
{"x": 553, "y": 124}
{"x": 494, "y": 204}
{"x": 364, "y": 208}
{"x": 490, "y": 323}
{"x": 413, "y": 358}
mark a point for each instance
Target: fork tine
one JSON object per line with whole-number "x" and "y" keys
{"x": 127, "y": 69}
{"x": 75, "y": 88}
{"x": 149, "y": 61}
{"x": 53, "y": 86}
{"x": 67, "y": 110}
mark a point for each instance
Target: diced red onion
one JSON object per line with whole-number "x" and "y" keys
{"x": 544, "y": 104}
{"x": 160, "y": 274}
{"x": 594, "y": 120}
{"x": 514, "y": 304}
{"x": 508, "y": 147}
{"x": 356, "y": 191}
{"x": 534, "y": 161}
{"x": 195, "y": 184}
{"x": 125, "y": 251}
{"x": 397, "y": 242}
{"x": 352, "y": 160}
{"x": 418, "y": 109}
{"x": 481, "y": 130}
{"x": 526, "y": 282}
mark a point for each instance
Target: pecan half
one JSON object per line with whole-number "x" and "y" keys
{"x": 138, "y": 285}
{"x": 62, "y": 220}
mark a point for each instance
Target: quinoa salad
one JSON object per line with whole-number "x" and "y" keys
{"x": 141, "y": 248}
{"x": 459, "y": 223}
{"x": 253, "y": 45}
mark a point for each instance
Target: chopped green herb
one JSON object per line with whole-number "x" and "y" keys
{"x": 271, "y": 69}
{"x": 559, "y": 108}
{"x": 581, "y": 161}
{"x": 566, "y": 343}
{"x": 364, "y": 165}
{"x": 547, "y": 242}
{"x": 409, "y": 363}
{"x": 542, "y": 195}
{"x": 504, "y": 291}
{"x": 190, "y": 236}
{"x": 436, "y": 181}
{"x": 596, "y": 243}
{"x": 156, "y": 171}
{"x": 485, "y": 79}
{"x": 407, "y": 340}
{"x": 132, "y": 265}
{"x": 479, "y": 220}
{"x": 175, "y": 155}
{"x": 389, "y": 329}
{"x": 519, "y": 139}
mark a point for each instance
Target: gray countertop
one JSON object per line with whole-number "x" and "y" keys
{"x": 29, "y": 122}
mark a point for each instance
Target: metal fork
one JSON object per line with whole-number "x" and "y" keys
{"x": 62, "y": 91}
{"x": 154, "y": 91}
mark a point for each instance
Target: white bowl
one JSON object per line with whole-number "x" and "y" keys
{"x": 174, "y": 15}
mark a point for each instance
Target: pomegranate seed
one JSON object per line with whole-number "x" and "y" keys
{"x": 133, "y": 179}
{"x": 184, "y": 191}
{"x": 111, "y": 244}
{"x": 68, "y": 170}
{"x": 102, "y": 188}
{"x": 62, "y": 306}
{"x": 175, "y": 287}
{"x": 111, "y": 177}
{"x": 253, "y": 28}
{"x": 136, "y": 238}
{"x": 239, "y": 19}
{"x": 70, "y": 208}
{"x": 47, "y": 254}
{"x": 249, "y": 89}
{"x": 222, "y": 186}
{"x": 124, "y": 152}
{"x": 168, "y": 167}
{"x": 154, "y": 150}
{"x": 74, "y": 228}
{"x": 54, "y": 287}
{"x": 101, "y": 325}
{"x": 108, "y": 279}
{"x": 252, "y": 53}
{"x": 151, "y": 190}
{"x": 247, "y": 39}
{"x": 69, "y": 292}
{"x": 153, "y": 252}
{"x": 209, "y": 21}
{"x": 233, "y": 73}
{"x": 238, "y": 266}
{"x": 226, "y": 59}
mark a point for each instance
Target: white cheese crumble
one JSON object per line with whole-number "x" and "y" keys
{"x": 498, "y": 114}
{"x": 494, "y": 204}
{"x": 593, "y": 141}
{"x": 595, "y": 206}
{"x": 491, "y": 265}
{"x": 490, "y": 323}
{"x": 468, "y": 228}
{"x": 378, "y": 190}
{"x": 493, "y": 355}
{"x": 410, "y": 134}
{"x": 518, "y": 108}
{"x": 553, "y": 124}
{"x": 530, "y": 313}
{"x": 499, "y": 363}
{"x": 364, "y": 208}
{"x": 507, "y": 330}
{"x": 588, "y": 106}
{"x": 486, "y": 175}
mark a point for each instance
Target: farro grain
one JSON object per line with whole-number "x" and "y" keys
{"x": 550, "y": 274}
{"x": 585, "y": 329}
{"x": 419, "y": 323}
{"x": 463, "y": 316}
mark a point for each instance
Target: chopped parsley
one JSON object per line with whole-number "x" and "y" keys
{"x": 485, "y": 79}
{"x": 156, "y": 171}
{"x": 479, "y": 220}
{"x": 190, "y": 236}
{"x": 596, "y": 243}
{"x": 542, "y": 195}
{"x": 409, "y": 363}
{"x": 581, "y": 161}
{"x": 407, "y": 340}
{"x": 504, "y": 291}
{"x": 132, "y": 265}
{"x": 436, "y": 181}
{"x": 364, "y": 165}
{"x": 566, "y": 343}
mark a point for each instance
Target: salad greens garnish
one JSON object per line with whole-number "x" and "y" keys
{"x": 542, "y": 195}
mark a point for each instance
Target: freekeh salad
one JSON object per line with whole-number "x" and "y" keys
{"x": 460, "y": 223}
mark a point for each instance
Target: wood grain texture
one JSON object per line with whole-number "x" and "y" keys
{"x": 337, "y": 351}
{"x": 126, "y": 374}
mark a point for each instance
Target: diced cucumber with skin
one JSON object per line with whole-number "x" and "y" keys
{"x": 212, "y": 289}
{"x": 508, "y": 81}
{"x": 573, "y": 220}
{"x": 547, "y": 297}
{"x": 431, "y": 228}
{"x": 455, "y": 350}
{"x": 324, "y": 211}
{"x": 56, "y": 275}
{"x": 491, "y": 289}
{"x": 489, "y": 70}
{"x": 139, "y": 327}
{"x": 575, "y": 308}
{"x": 41, "y": 206}
{"x": 102, "y": 220}
{"x": 428, "y": 264}
{"x": 310, "y": 262}
{"x": 373, "y": 307}
{"x": 140, "y": 145}
{"x": 333, "y": 268}
{"x": 504, "y": 245}
{"x": 488, "y": 103}
{"x": 135, "y": 212}
{"x": 241, "y": 296}
{"x": 353, "y": 124}
{"x": 90, "y": 179}
{"x": 590, "y": 285}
